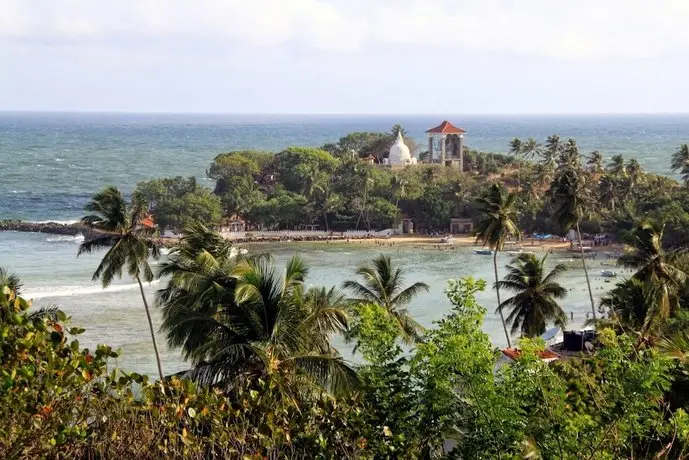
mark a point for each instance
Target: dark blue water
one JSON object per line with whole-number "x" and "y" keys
{"x": 52, "y": 163}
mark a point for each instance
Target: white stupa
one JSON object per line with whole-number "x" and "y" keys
{"x": 399, "y": 152}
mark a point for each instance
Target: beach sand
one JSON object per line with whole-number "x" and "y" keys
{"x": 458, "y": 241}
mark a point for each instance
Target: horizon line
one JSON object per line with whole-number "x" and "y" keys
{"x": 339, "y": 114}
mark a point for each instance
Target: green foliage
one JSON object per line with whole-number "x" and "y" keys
{"x": 536, "y": 293}
{"x": 177, "y": 202}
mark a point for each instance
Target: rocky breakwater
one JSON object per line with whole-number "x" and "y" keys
{"x": 54, "y": 228}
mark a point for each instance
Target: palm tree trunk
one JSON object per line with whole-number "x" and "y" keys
{"x": 150, "y": 325}
{"x": 497, "y": 291}
{"x": 586, "y": 272}
{"x": 397, "y": 213}
{"x": 325, "y": 217}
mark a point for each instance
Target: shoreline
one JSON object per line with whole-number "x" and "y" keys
{"x": 554, "y": 245}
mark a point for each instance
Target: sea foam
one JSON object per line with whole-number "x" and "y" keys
{"x": 68, "y": 291}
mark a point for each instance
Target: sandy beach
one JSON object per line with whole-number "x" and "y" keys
{"x": 458, "y": 241}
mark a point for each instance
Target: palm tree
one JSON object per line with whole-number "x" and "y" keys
{"x": 617, "y": 166}
{"x": 261, "y": 323}
{"x": 382, "y": 285}
{"x": 130, "y": 244}
{"x": 608, "y": 190}
{"x": 595, "y": 162}
{"x": 653, "y": 265}
{"x": 680, "y": 162}
{"x": 634, "y": 304}
{"x": 530, "y": 148}
{"x": 10, "y": 280}
{"x": 571, "y": 201}
{"x": 515, "y": 146}
{"x": 398, "y": 191}
{"x": 569, "y": 157}
{"x": 497, "y": 222}
{"x": 534, "y": 304}
{"x": 396, "y": 129}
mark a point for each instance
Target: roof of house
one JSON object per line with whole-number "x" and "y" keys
{"x": 148, "y": 222}
{"x": 545, "y": 355}
{"x": 446, "y": 128}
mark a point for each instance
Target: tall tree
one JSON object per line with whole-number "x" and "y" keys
{"x": 572, "y": 202}
{"x": 497, "y": 221}
{"x": 124, "y": 232}
{"x": 595, "y": 163}
{"x": 617, "y": 166}
{"x": 530, "y": 148}
{"x": 382, "y": 284}
{"x": 653, "y": 265}
{"x": 534, "y": 304}
{"x": 398, "y": 191}
{"x": 680, "y": 162}
{"x": 636, "y": 305}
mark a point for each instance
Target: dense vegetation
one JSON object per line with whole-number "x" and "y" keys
{"x": 332, "y": 188}
{"x": 265, "y": 380}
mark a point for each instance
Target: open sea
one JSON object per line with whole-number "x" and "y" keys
{"x": 53, "y": 162}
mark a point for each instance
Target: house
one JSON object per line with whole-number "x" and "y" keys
{"x": 461, "y": 225}
{"x": 510, "y": 355}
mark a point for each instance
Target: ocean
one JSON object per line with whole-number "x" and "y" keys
{"x": 53, "y": 163}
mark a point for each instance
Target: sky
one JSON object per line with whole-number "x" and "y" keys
{"x": 345, "y": 56}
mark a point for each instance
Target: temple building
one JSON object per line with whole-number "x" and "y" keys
{"x": 446, "y": 145}
{"x": 399, "y": 155}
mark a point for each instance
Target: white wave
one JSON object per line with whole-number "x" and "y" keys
{"x": 59, "y": 159}
{"x": 69, "y": 291}
{"x": 66, "y": 239}
{"x": 60, "y": 222}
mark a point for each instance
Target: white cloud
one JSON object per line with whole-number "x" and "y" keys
{"x": 560, "y": 28}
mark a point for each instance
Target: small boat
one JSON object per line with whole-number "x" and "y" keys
{"x": 516, "y": 253}
{"x": 447, "y": 239}
{"x": 483, "y": 252}
{"x": 608, "y": 274}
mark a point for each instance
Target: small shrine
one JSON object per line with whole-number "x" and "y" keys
{"x": 446, "y": 145}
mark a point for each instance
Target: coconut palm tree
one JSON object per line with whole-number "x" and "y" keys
{"x": 530, "y": 149}
{"x": 534, "y": 304}
{"x": 595, "y": 163}
{"x": 515, "y": 146}
{"x": 571, "y": 199}
{"x": 10, "y": 280}
{"x": 617, "y": 166}
{"x": 497, "y": 221}
{"x": 636, "y": 305}
{"x": 680, "y": 162}
{"x": 130, "y": 244}
{"x": 199, "y": 273}
{"x": 653, "y": 265}
{"x": 398, "y": 191}
{"x": 608, "y": 191}
{"x": 382, "y": 284}
{"x": 569, "y": 157}
{"x": 262, "y": 323}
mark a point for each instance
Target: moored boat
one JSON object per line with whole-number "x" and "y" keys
{"x": 483, "y": 252}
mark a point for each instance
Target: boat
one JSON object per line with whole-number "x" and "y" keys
{"x": 608, "y": 274}
{"x": 483, "y": 252}
{"x": 516, "y": 253}
{"x": 447, "y": 239}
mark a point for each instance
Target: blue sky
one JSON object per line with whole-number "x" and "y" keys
{"x": 345, "y": 56}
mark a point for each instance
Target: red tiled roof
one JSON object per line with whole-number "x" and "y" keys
{"x": 514, "y": 353}
{"x": 148, "y": 222}
{"x": 446, "y": 128}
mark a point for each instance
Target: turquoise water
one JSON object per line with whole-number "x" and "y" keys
{"x": 52, "y": 164}
{"x": 54, "y": 276}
